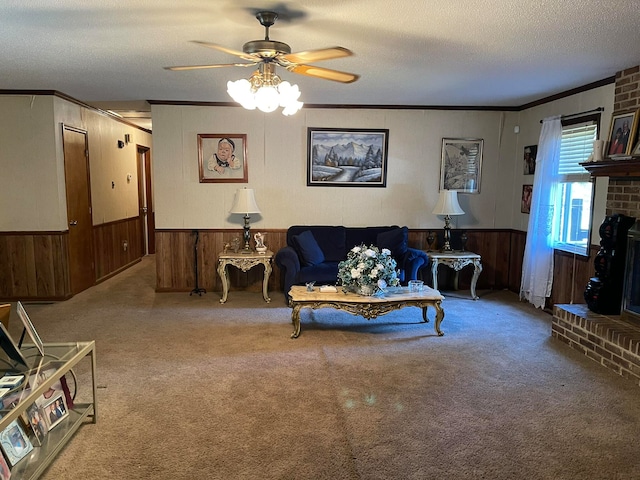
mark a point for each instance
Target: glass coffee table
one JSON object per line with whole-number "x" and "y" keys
{"x": 394, "y": 298}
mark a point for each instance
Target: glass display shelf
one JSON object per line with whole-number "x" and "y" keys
{"x": 61, "y": 357}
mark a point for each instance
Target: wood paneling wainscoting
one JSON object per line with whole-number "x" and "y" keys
{"x": 501, "y": 249}
{"x": 112, "y": 255}
{"x": 34, "y": 265}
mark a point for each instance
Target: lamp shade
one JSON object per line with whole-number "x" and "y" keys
{"x": 245, "y": 202}
{"x": 448, "y": 203}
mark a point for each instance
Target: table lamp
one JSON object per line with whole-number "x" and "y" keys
{"x": 245, "y": 203}
{"x": 447, "y": 205}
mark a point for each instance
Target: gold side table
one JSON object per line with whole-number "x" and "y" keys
{"x": 245, "y": 262}
{"x": 456, "y": 260}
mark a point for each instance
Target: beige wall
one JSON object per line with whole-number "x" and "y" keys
{"x": 108, "y": 163}
{"x": 32, "y": 196}
{"x": 31, "y": 154}
{"x": 277, "y": 162}
{"x": 529, "y": 123}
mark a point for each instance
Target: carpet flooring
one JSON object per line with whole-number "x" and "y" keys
{"x": 192, "y": 389}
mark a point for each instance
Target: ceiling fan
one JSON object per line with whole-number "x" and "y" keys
{"x": 268, "y": 53}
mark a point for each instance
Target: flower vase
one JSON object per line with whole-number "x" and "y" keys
{"x": 367, "y": 290}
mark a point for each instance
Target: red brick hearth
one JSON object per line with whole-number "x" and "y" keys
{"x": 610, "y": 341}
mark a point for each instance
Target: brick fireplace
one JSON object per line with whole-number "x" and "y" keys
{"x": 611, "y": 340}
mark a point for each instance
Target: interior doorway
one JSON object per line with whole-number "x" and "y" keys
{"x": 78, "y": 188}
{"x": 145, "y": 200}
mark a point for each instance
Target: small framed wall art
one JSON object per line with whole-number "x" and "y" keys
{"x": 222, "y": 158}
{"x": 461, "y": 166}
{"x": 347, "y": 157}
{"x": 529, "y": 159}
{"x": 525, "y": 204}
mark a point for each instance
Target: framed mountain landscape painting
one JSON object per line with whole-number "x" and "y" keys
{"x": 347, "y": 157}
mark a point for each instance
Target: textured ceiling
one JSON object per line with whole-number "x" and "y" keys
{"x": 408, "y": 52}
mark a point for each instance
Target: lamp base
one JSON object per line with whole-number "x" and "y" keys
{"x": 447, "y": 235}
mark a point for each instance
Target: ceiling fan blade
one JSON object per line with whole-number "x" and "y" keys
{"x": 202, "y": 67}
{"x": 324, "y": 73}
{"x": 311, "y": 56}
{"x": 230, "y": 51}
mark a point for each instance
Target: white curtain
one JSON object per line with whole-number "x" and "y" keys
{"x": 537, "y": 266}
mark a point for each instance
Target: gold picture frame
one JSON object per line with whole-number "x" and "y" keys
{"x": 222, "y": 158}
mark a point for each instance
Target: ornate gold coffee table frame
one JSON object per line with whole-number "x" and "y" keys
{"x": 367, "y": 307}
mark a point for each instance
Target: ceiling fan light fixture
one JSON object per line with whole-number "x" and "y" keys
{"x": 265, "y": 91}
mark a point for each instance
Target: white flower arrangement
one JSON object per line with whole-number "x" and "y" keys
{"x": 368, "y": 266}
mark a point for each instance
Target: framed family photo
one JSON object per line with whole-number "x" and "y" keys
{"x": 622, "y": 133}
{"x": 222, "y": 158}
{"x": 461, "y": 164}
{"x": 347, "y": 157}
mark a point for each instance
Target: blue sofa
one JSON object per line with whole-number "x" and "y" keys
{"x": 313, "y": 252}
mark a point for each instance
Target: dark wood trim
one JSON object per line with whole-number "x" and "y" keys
{"x": 66, "y": 97}
{"x": 53, "y": 232}
{"x": 347, "y": 106}
{"x": 614, "y": 168}
{"x": 535, "y": 103}
{"x": 568, "y": 93}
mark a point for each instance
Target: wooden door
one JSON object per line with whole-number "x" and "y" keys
{"x": 145, "y": 200}
{"x": 76, "y": 170}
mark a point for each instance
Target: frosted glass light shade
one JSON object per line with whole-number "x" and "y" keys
{"x": 448, "y": 204}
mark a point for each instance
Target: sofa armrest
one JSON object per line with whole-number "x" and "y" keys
{"x": 414, "y": 260}
{"x": 287, "y": 260}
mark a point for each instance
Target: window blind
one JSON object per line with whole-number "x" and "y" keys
{"x": 575, "y": 148}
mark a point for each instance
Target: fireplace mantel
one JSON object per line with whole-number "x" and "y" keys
{"x": 614, "y": 168}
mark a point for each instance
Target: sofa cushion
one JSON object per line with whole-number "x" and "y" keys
{"x": 396, "y": 241}
{"x": 323, "y": 273}
{"x": 308, "y": 249}
{"x": 330, "y": 238}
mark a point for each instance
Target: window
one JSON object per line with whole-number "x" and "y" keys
{"x": 574, "y": 189}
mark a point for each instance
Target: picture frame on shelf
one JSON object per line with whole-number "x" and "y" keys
{"x": 55, "y": 410}
{"x": 31, "y": 330}
{"x": 636, "y": 150}
{"x": 18, "y": 361}
{"x": 347, "y": 157}
{"x": 222, "y": 158}
{"x": 622, "y": 133}
{"x": 461, "y": 165}
{"x": 525, "y": 203}
{"x": 37, "y": 424}
{"x": 14, "y": 443}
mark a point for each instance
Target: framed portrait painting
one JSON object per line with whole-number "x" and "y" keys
{"x": 529, "y": 159}
{"x": 222, "y": 158}
{"x": 461, "y": 166}
{"x": 622, "y": 133}
{"x": 347, "y": 157}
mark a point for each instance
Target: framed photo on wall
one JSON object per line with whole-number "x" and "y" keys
{"x": 347, "y": 157}
{"x": 461, "y": 164}
{"x": 622, "y": 133}
{"x": 222, "y": 158}
{"x": 529, "y": 159}
{"x": 525, "y": 204}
